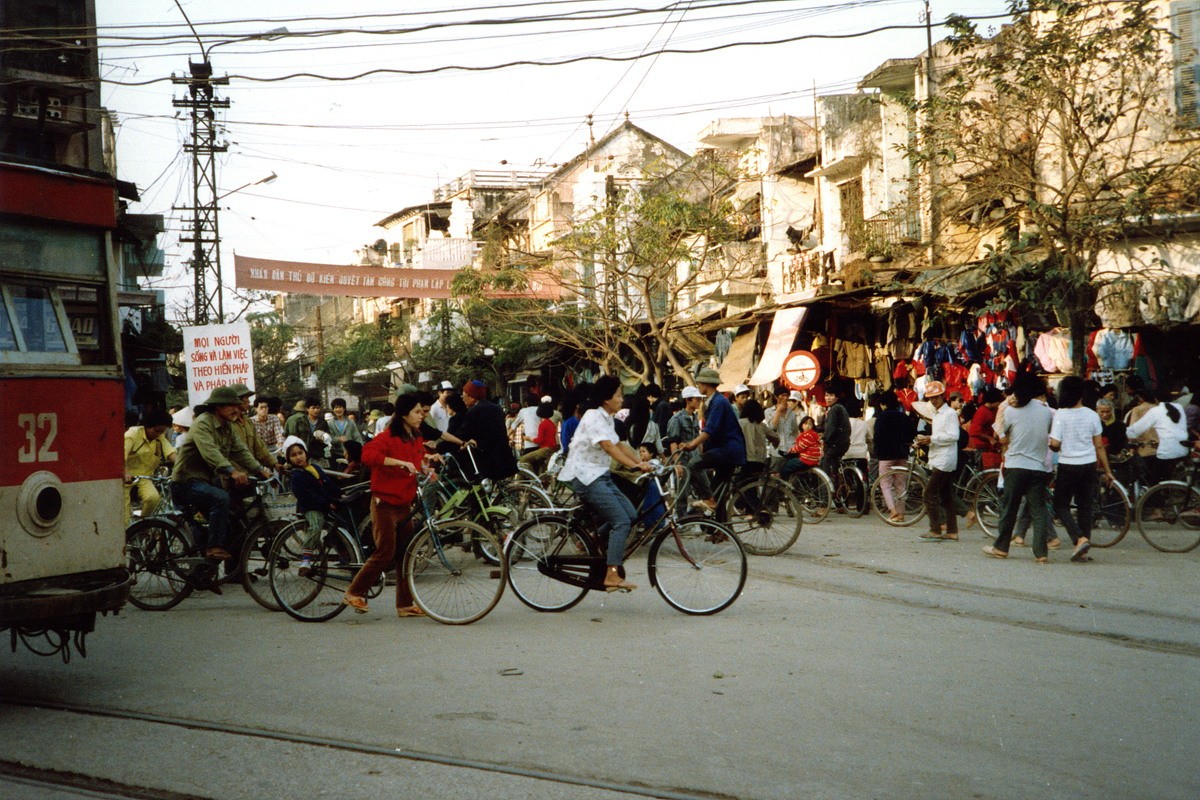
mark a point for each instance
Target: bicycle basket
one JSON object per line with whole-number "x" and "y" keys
{"x": 279, "y": 505}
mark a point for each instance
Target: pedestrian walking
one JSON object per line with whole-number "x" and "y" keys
{"x": 943, "y": 460}
{"x": 893, "y": 434}
{"x": 1025, "y": 436}
{"x": 1077, "y": 436}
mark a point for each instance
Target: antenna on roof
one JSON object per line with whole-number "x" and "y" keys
{"x": 591, "y": 133}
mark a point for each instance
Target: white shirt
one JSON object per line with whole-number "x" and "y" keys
{"x": 943, "y": 444}
{"x": 587, "y": 460}
{"x": 1074, "y": 428}
{"x": 858, "y": 439}
{"x": 1170, "y": 434}
{"x": 528, "y": 418}
{"x": 439, "y": 416}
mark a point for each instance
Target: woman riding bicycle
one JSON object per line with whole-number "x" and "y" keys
{"x": 593, "y": 447}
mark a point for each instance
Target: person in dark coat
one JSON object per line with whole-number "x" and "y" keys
{"x": 485, "y": 431}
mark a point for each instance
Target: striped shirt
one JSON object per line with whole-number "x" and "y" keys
{"x": 1074, "y": 428}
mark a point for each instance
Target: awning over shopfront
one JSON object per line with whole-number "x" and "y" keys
{"x": 735, "y": 368}
{"x": 784, "y": 328}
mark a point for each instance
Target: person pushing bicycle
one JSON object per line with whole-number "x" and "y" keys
{"x": 722, "y": 440}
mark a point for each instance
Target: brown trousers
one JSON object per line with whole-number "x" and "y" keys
{"x": 393, "y": 530}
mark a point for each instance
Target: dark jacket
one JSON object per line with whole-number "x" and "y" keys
{"x": 836, "y": 436}
{"x": 314, "y": 494}
{"x": 485, "y": 424}
{"x": 894, "y": 432}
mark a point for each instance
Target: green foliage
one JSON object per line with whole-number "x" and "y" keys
{"x": 366, "y": 346}
{"x": 275, "y": 371}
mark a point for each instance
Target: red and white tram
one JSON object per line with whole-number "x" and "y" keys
{"x": 61, "y": 406}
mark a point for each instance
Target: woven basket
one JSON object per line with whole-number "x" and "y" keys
{"x": 281, "y": 505}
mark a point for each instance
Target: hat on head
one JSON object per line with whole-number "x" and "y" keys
{"x": 547, "y": 399}
{"x": 445, "y": 386}
{"x": 183, "y": 417}
{"x": 710, "y": 376}
{"x": 934, "y": 389}
{"x": 223, "y": 396}
{"x": 795, "y": 395}
{"x": 155, "y": 418}
{"x": 689, "y": 392}
{"x": 300, "y": 406}
{"x": 375, "y": 415}
{"x": 242, "y": 390}
{"x": 475, "y": 389}
{"x": 741, "y": 388}
{"x": 291, "y": 440}
{"x": 406, "y": 389}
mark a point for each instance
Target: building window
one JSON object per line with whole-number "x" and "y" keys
{"x": 1185, "y": 24}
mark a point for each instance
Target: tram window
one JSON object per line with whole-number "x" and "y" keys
{"x": 51, "y": 249}
{"x": 35, "y": 327}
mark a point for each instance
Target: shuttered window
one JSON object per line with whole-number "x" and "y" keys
{"x": 1185, "y": 24}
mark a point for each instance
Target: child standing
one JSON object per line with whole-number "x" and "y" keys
{"x": 316, "y": 495}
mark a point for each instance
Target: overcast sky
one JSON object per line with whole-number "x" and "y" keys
{"x": 347, "y": 153}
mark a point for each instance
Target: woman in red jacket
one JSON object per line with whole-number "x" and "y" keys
{"x": 395, "y": 457}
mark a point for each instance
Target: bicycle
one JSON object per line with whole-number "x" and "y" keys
{"x": 1112, "y": 511}
{"x": 166, "y": 565}
{"x": 449, "y": 578}
{"x": 697, "y": 564}
{"x": 1168, "y": 514}
{"x": 968, "y": 486}
{"x": 763, "y": 510}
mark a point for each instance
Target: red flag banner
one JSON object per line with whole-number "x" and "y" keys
{"x": 360, "y": 281}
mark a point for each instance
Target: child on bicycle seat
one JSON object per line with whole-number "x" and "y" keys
{"x": 806, "y": 452}
{"x": 316, "y": 495}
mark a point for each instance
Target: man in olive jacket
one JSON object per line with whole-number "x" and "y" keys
{"x": 214, "y": 449}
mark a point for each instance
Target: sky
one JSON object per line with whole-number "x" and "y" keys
{"x": 349, "y": 152}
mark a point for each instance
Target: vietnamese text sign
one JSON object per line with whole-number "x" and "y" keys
{"x": 216, "y": 355}
{"x": 359, "y": 281}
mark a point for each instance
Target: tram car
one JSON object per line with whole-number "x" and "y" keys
{"x": 61, "y": 406}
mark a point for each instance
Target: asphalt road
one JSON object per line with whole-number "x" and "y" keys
{"x": 861, "y": 664}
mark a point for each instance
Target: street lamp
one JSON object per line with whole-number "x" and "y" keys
{"x": 269, "y": 179}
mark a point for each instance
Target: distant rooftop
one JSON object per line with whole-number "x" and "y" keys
{"x": 489, "y": 179}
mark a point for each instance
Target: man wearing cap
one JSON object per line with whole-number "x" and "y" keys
{"x": 146, "y": 447}
{"x": 245, "y": 428}
{"x": 484, "y": 430}
{"x": 439, "y": 412}
{"x": 213, "y": 449}
{"x": 683, "y": 426}
{"x": 724, "y": 445}
{"x": 943, "y": 459}
{"x": 741, "y": 393}
{"x": 783, "y": 420}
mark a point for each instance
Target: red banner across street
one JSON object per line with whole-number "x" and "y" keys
{"x": 359, "y": 281}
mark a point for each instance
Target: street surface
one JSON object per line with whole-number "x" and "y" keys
{"x": 862, "y": 664}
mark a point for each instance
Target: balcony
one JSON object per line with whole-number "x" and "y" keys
{"x": 809, "y": 269}
{"x": 883, "y": 235}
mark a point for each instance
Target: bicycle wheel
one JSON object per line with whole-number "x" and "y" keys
{"x": 1112, "y": 515}
{"x": 852, "y": 491}
{"x": 154, "y": 551}
{"x": 1168, "y": 517}
{"x": 528, "y": 552}
{"x": 520, "y": 502}
{"x": 988, "y": 502}
{"x": 313, "y": 594}
{"x": 815, "y": 491}
{"x": 255, "y": 570}
{"x": 698, "y": 566}
{"x": 765, "y": 513}
{"x": 448, "y": 579}
{"x": 911, "y": 489}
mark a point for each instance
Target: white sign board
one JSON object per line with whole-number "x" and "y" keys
{"x": 216, "y": 355}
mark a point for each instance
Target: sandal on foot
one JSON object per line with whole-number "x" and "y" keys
{"x": 359, "y": 604}
{"x": 1018, "y": 541}
{"x": 410, "y": 611}
{"x": 1081, "y": 552}
{"x": 950, "y": 537}
{"x": 219, "y": 553}
{"x": 1054, "y": 544}
{"x": 1041, "y": 560}
{"x": 994, "y": 553}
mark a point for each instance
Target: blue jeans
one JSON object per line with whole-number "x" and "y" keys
{"x": 214, "y": 502}
{"x": 604, "y": 496}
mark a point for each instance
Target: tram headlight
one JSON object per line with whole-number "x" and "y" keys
{"x": 40, "y": 503}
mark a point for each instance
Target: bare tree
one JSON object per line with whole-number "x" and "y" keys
{"x": 631, "y": 272}
{"x": 1055, "y": 142}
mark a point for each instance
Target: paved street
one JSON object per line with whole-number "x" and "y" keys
{"x": 861, "y": 664}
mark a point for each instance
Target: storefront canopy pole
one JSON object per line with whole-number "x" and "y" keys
{"x": 784, "y": 328}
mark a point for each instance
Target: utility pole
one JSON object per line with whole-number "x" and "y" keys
{"x": 205, "y": 237}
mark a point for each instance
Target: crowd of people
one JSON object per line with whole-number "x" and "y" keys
{"x": 599, "y": 437}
